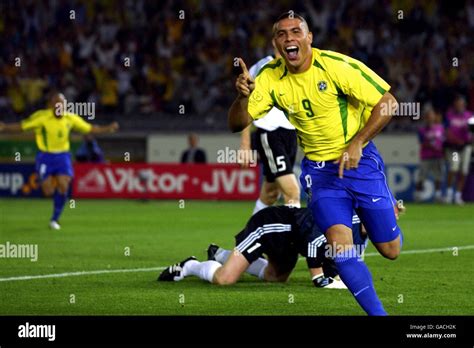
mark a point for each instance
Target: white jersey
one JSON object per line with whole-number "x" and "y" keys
{"x": 275, "y": 118}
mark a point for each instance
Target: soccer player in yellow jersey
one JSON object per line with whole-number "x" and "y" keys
{"x": 337, "y": 105}
{"x": 53, "y": 160}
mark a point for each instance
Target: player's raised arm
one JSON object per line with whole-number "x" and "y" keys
{"x": 245, "y": 146}
{"x": 10, "y": 127}
{"x": 238, "y": 116}
{"x": 111, "y": 128}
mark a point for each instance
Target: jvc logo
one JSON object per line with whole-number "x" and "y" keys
{"x": 37, "y": 331}
{"x": 242, "y": 181}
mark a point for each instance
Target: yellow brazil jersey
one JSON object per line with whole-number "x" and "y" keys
{"x": 328, "y": 104}
{"x": 52, "y": 133}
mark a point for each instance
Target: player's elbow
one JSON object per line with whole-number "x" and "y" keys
{"x": 390, "y": 98}
{"x": 235, "y": 129}
{"x": 389, "y": 103}
{"x": 237, "y": 118}
{"x": 234, "y": 125}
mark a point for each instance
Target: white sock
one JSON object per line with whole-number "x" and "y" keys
{"x": 438, "y": 194}
{"x": 458, "y": 195}
{"x": 259, "y": 205}
{"x": 222, "y": 255}
{"x": 191, "y": 268}
{"x": 204, "y": 270}
{"x": 449, "y": 193}
{"x": 257, "y": 268}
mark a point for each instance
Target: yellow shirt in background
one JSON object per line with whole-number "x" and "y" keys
{"x": 52, "y": 133}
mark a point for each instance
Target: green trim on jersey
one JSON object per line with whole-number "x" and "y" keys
{"x": 270, "y": 66}
{"x": 45, "y": 137}
{"x": 358, "y": 129}
{"x": 342, "y": 101}
{"x": 317, "y": 65}
{"x": 285, "y": 73}
{"x": 355, "y": 66}
{"x": 275, "y": 103}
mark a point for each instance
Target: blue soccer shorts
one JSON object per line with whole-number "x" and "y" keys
{"x": 363, "y": 189}
{"x": 53, "y": 164}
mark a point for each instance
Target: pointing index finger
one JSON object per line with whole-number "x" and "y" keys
{"x": 243, "y": 66}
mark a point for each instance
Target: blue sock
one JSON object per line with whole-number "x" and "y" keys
{"x": 355, "y": 274}
{"x": 59, "y": 200}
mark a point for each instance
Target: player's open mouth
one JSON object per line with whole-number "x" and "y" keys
{"x": 292, "y": 52}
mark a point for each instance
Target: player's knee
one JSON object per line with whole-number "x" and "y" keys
{"x": 392, "y": 251}
{"x": 391, "y": 255}
{"x": 63, "y": 189}
{"x": 48, "y": 191}
{"x": 224, "y": 278}
{"x": 63, "y": 185}
{"x": 272, "y": 195}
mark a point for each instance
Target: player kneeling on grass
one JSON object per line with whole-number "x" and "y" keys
{"x": 281, "y": 233}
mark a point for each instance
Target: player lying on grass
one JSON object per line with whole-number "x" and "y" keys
{"x": 281, "y": 233}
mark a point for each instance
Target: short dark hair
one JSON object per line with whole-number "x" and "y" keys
{"x": 289, "y": 14}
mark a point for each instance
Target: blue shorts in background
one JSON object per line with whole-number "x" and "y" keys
{"x": 363, "y": 189}
{"x": 53, "y": 164}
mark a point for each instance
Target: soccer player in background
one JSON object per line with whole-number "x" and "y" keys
{"x": 276, "y": 146}
{"x": 458, "y": 148}
{"x": 431, "y": 136}
{"x": 337, "y": 105}
{"x": 53, "y": 160}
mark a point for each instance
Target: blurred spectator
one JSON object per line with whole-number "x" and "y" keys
{"x": 431, "y": 136}
{"x": 146, "y": 57}
{"x": 89, "y": 151}
{"x": 16, "y": 96}
{"x": 459, "y": 148}
{"x": 193, "y": 154}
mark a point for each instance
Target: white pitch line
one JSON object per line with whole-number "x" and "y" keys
{"x": 73, "y": 274}
{"x": 428, "y": 251}
{"x": 106, "y": 271}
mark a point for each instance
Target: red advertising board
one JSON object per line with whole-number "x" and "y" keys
{"x": 165, "y": 181}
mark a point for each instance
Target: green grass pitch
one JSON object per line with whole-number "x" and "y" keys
{"x": 96, "y": 235}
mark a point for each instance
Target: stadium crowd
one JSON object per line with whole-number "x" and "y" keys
{"x": 149, "y": 57}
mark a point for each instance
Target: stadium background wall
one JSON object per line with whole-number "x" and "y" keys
{"x": 17, "y": 178}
